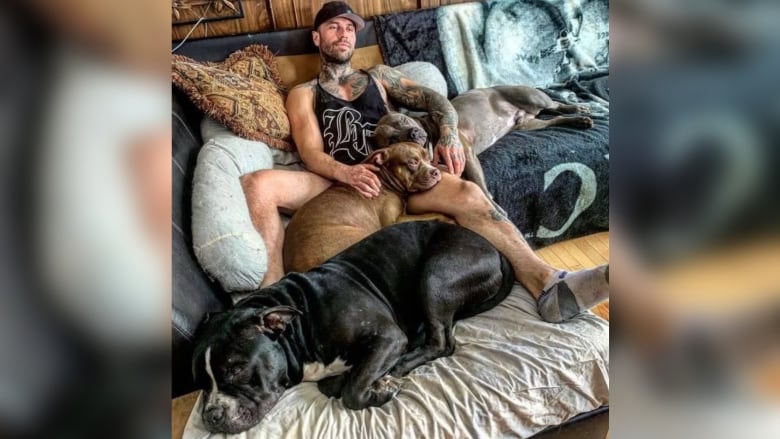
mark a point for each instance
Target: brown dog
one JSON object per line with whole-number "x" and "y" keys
{"x": 340, "y": 216}
{"x": 484, "y": 116}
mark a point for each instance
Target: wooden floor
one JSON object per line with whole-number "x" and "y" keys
{"x": 575, "y": 254}
{"x": 181, "y": 408}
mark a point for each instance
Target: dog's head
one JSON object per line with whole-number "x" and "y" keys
{"x": 405, "y": 167}
{"x": 241, "y": 366}
{"x": 398, "y": 127}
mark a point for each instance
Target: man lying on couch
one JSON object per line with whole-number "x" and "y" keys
{"x": 329, "y": 155}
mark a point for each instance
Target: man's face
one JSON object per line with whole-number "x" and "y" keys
{"x": 336, "y": 40}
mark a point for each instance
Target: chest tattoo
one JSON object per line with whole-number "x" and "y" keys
{"x": 347, "y": 88}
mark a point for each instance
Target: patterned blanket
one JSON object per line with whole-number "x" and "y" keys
{"x": 539, "y": 43}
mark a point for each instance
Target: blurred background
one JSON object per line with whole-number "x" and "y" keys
{"x": 695, "y": 248}
{"x": 85, "y": 260}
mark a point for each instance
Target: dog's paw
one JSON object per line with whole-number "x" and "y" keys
{"x": 582, "y": 122}
{"x": 331, "y": 386}
{"x": 583, "y": 108}
{"x": 388, "y": 386}
{"x": 400, "y": 370}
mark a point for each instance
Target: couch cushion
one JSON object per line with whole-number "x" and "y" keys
{"x": 296, "y": 69}
{"x": 244, "y": 92}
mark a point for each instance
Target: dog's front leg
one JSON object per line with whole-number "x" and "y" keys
{"x": 368, "y": 383}
{"x": 331, "y": 386}
{"x": 439, "y": 343}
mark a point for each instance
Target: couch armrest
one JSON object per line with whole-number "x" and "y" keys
{"x": 193, "y": 293}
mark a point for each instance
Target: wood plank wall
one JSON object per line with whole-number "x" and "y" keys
{"x": 272, "y": 15}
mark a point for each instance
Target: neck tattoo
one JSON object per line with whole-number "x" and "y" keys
{"x": 335, "y": 72}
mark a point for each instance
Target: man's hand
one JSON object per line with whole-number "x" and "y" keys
{"x": 451, "y": 155}
{"x": 362, "y": 178}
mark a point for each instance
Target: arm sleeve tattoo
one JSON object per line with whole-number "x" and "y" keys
{"x": 410, "y": 94}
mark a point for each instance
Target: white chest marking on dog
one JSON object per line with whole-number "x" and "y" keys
{"x": 318, "y": 371}
{"x": 209, "y": 371}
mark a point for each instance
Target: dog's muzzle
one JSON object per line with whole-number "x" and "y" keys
{"x": 418, "y": 135}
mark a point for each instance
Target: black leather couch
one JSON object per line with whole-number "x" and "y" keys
{"x": 194, "y": 294}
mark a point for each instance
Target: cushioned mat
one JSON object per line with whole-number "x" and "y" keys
{"x": 512, "y": 375}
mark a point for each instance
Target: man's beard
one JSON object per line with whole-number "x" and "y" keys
{"x": 335, "y": 57}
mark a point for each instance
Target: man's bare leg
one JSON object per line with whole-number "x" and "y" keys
{"x": 465, "y": 202}
{"x": 269, "y": 192}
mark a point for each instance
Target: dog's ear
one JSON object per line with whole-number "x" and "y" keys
{"x": 377, "y": 157}
{"x": 209, "y": 315}
{"x": 206, "y": 321}
{"x": 275, "y": 319}
{"x": 382, "y": 136}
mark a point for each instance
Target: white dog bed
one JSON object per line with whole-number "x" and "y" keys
{"x": 512, "y": 375}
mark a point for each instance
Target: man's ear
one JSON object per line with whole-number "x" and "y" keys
{"x": 377, "y": 157}
{"x": 274, "y": 320}
{"x": 315, "y": 36}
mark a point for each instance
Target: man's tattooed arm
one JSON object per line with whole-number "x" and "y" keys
{"x": 412, "y": 95}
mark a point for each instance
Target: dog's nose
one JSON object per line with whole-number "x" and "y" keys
{"x": 434, "y": 173}
{"x": 417, "y": 134}
{"x": 214, "y": 415}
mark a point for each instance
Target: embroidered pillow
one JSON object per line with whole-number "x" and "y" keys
{"x": 244, "y": 92}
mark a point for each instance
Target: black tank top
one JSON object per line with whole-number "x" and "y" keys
{"x": 347, "y": 126}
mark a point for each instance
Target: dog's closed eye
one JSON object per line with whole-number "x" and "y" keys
{"x": 233, "y": 370}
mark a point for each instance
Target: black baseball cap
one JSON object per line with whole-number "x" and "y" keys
{"x": 332, "y": 10}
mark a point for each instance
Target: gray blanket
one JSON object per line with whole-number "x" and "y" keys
{"x": 538, "y": 43}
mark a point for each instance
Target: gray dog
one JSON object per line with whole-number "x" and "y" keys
{"x": 484, "y": 116}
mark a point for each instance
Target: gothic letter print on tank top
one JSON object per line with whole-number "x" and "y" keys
{"x": 347, "y": 126}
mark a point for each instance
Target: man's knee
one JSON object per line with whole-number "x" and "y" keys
{"x": 254, "y": 180}
{"x": 256, "y": 185}
{"x": 287, "y": 190}
{"x": 453, "y": 197}
{"x": 470, "y": 197}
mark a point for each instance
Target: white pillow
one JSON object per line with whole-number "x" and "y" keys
{"x": 213, "y": 130}
{"x": 425, "y": 74}
{"x": 226, "y": 243}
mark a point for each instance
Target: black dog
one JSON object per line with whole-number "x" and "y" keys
{"x": 383, "y": 306}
